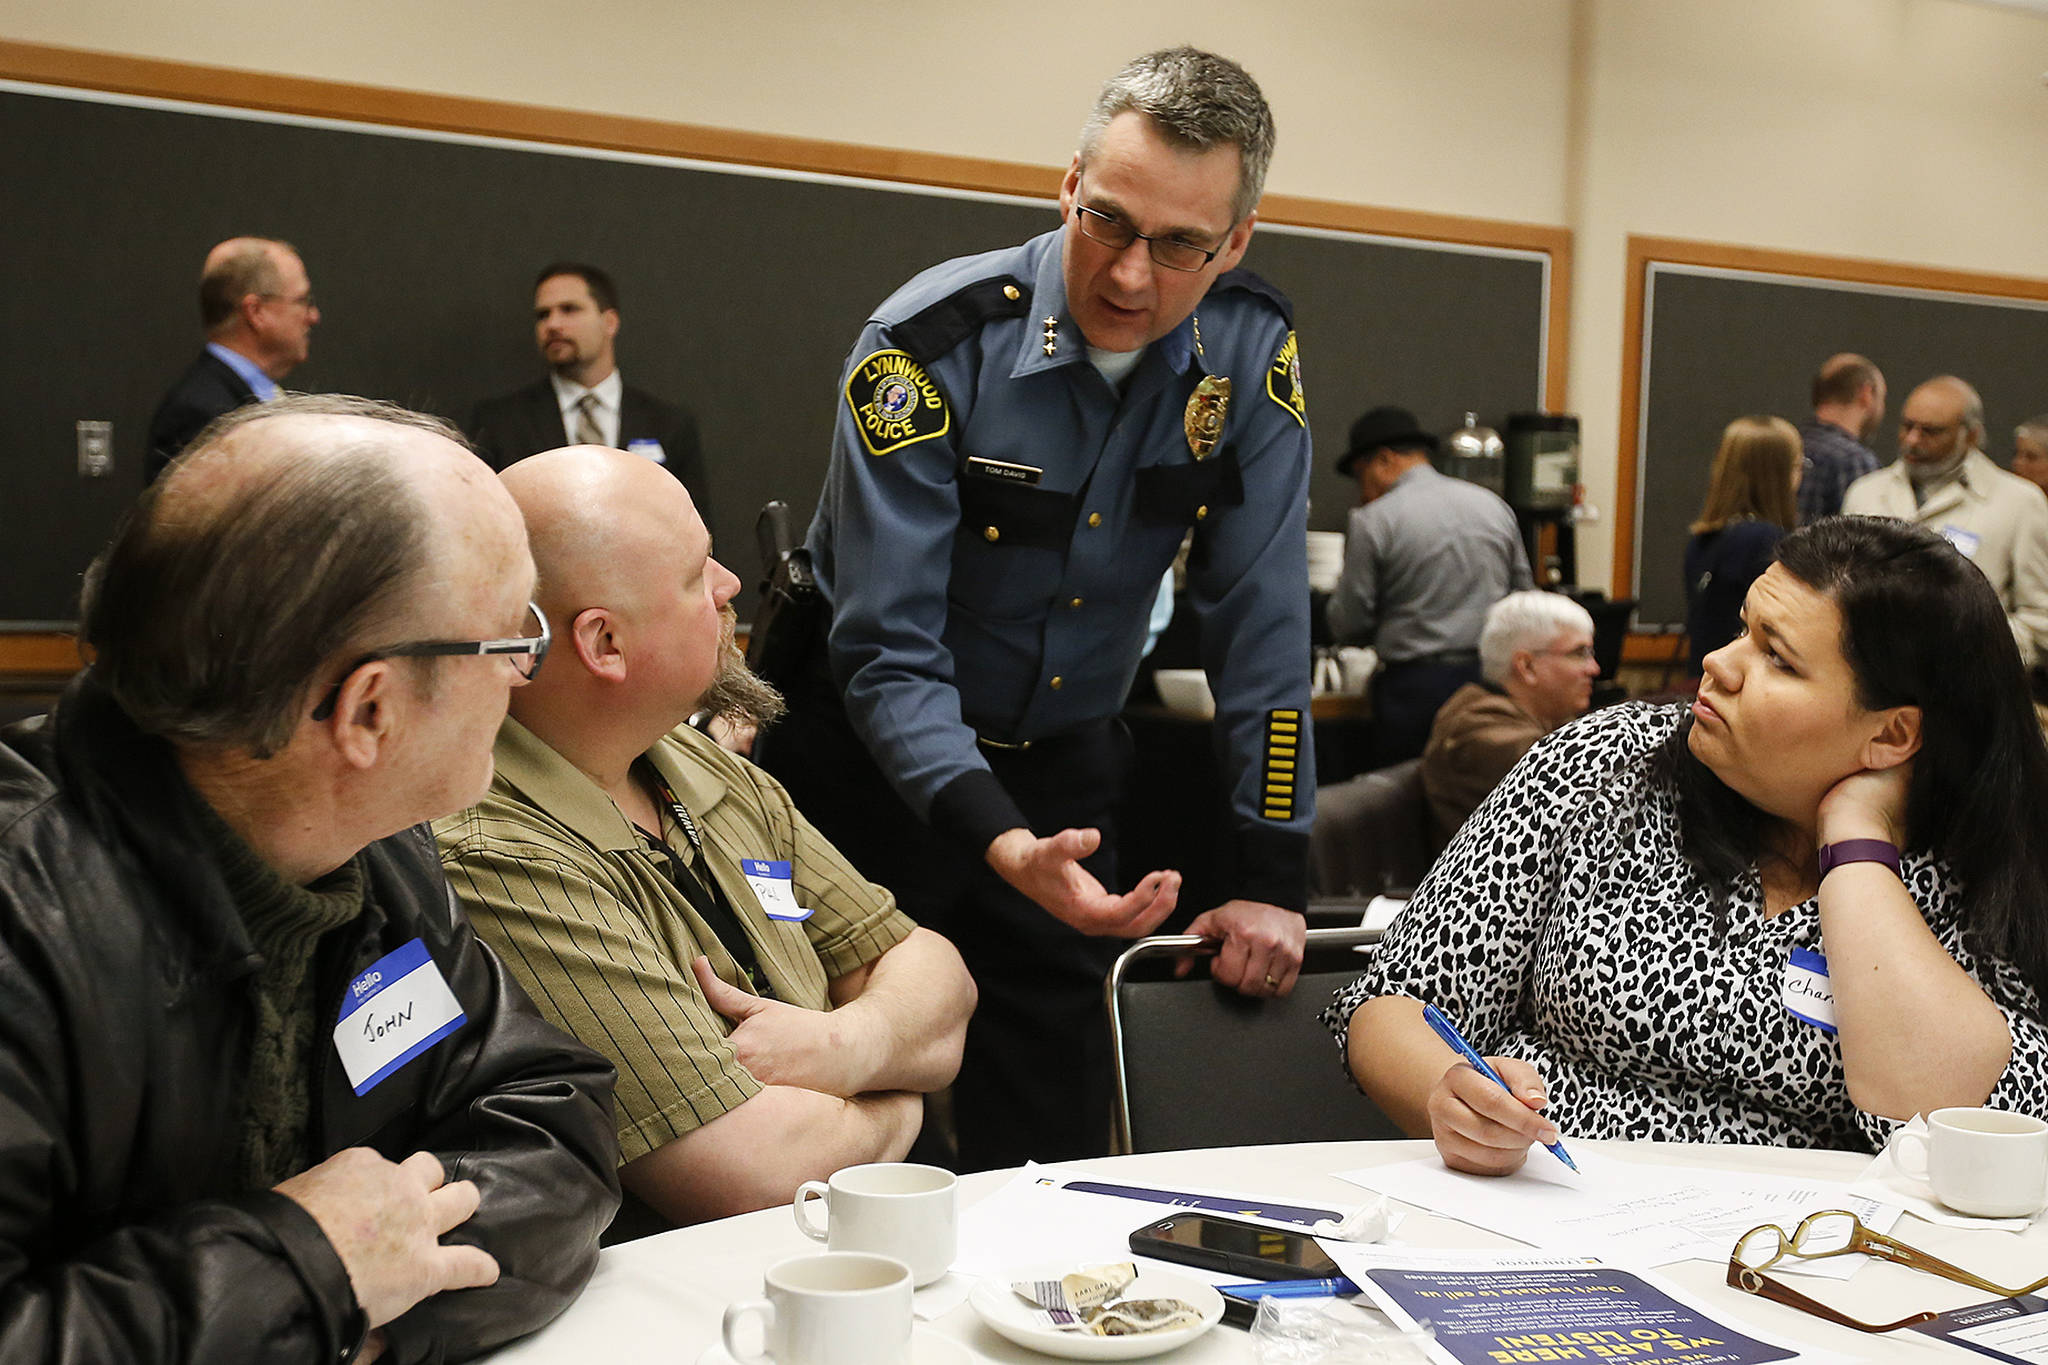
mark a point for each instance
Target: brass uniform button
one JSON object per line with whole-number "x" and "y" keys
{"x": 1056, "y": 681}
{"x": 1095, "y": 518}
{"x": 1075, "y": 604}
{"x": 1202, "y": 512}
{"x": 991, "y": 534}
{"x": 1010, "y": 293}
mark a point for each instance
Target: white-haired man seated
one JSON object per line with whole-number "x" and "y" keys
{"x": 1537, "y": 668}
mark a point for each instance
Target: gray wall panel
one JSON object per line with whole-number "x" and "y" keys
{"x": 740, "y": 295}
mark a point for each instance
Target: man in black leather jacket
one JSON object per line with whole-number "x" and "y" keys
{"x": 263, "y": 1096}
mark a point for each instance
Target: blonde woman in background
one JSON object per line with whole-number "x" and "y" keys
{"x": 1750, "y": 506}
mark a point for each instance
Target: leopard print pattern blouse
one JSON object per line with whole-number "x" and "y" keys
{"x": 1565, "y": 926}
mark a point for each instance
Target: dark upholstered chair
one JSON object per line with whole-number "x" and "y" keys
{"x": 1198, "y": 1065}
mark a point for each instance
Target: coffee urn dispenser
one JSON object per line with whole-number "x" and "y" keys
{"x": 1476, "y": 454}
{"x": 1543, "y": 488}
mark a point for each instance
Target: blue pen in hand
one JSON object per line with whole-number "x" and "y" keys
{"x": 1447, "y": 1031}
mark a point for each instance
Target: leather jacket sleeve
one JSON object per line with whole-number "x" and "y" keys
{"x": 248, "y": 1278}
{"x": 524, "y": 1111}
{"x": 99, "y": 1261}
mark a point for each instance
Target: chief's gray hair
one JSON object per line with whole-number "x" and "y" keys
{"x": 1197, "y": 100}
{"x": 1525, "y": 620}
{"x": 2034, "y": 429}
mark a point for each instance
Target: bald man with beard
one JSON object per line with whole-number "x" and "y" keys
{"x": 772, "y": 1014}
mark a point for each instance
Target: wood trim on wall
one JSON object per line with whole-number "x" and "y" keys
{"x": 38, "y": 655}
{"x": 308, "y": 98}
{"x": 1643, "y": 251}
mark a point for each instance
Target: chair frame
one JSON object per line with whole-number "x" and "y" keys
{"x": 1165, "y": 945}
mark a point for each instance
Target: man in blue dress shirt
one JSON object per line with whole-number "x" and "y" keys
{"x": 257, "y": 307}
{"x": 1024, "y": 439}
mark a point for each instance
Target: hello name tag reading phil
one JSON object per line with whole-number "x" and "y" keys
{"x": 392, "y": 1013}
{"x": 1808, "y": 994}
{"x": 774, "y": 888}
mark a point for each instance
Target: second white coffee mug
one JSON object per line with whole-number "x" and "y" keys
{"x": 1985, "y": 1162}
{"x": 827, "y": 1308}
{"x": 893, "y": 1208}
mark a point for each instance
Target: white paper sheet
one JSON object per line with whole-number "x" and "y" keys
{"x": 941, "y": 1296}
{"x": 1624, "y": 1212}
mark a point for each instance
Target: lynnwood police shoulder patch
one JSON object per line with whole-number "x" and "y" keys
{"x": 894, "y": 402}
{"x": 1283, "y": 380}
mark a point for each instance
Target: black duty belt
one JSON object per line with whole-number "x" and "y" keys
{"x": 1084, "y": 736}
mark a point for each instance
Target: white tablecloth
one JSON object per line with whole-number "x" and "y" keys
{"x": 660, "y": 1299}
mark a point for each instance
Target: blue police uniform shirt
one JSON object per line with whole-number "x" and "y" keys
{"x": 996, "y": 520}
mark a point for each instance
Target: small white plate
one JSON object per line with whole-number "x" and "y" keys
{"x": 1009, "y": 1315}
{"x": 928, "y": 1346}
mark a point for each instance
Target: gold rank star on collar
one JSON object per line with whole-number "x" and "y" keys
{"x": 1052, "y": 331}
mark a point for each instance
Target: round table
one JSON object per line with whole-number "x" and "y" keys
{"x": 661, "y": 1298}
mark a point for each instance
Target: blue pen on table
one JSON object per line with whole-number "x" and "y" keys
{"x": 1448, "y": 1031}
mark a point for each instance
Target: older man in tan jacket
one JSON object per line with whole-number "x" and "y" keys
{"x": 1942, "y": 480}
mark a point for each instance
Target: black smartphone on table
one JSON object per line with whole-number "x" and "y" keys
{"x": 1223, "y": 1244}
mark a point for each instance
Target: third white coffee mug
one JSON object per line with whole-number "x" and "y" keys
{"x": 1985, "y": 1162}
{"x": 827, "y": 1308}
{"x": 892, "y": 1208}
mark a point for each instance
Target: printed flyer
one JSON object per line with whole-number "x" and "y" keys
{"x": 2014, "y": 1330}
{"x": 1592, "y": 1313}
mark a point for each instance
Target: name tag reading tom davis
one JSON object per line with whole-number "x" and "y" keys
{"x": 392, "y": 1013}
{"x": 1809, "y": 996}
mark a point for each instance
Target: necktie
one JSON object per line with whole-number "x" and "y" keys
{"x": 588, "y": 433}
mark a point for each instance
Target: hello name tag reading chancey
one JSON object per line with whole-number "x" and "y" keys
{"x": 392, "y": 1013}
{"x": 1809, "y": 996}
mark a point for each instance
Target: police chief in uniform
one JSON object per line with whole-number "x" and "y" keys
{"x": 1024, "y": 438}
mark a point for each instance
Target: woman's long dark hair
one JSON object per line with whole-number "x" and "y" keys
{"x": 1920, "y": 627}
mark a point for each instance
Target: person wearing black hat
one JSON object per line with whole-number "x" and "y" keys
{"x": 1424, "y": 557}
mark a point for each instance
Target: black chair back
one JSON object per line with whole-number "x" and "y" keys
{"x": 1198, "y": 1065}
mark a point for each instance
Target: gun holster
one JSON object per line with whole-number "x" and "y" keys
{"x": 789, "y": 622}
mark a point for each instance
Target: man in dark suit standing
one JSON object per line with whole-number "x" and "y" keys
{"x": 257, "y": 307}
{"x": 584, "y": 401}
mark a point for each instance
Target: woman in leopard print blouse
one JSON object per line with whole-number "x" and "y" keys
{"x": 1635, "y": 923}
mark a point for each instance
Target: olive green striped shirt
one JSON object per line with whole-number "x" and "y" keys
{"x": 566, "y": 891}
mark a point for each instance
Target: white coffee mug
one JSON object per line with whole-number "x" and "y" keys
{"x": 828, "y": 1308}
{"x": 1985, "y": 1162}
{"x": 892, "y": 1208}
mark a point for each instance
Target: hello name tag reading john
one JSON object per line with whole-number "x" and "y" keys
{"x": 1809, "y": 996}
{"x": 392, "y": 1013}
{"x": 774, "y": 888}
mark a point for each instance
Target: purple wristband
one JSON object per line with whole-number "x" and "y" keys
{"x": 1833, "y": 856}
